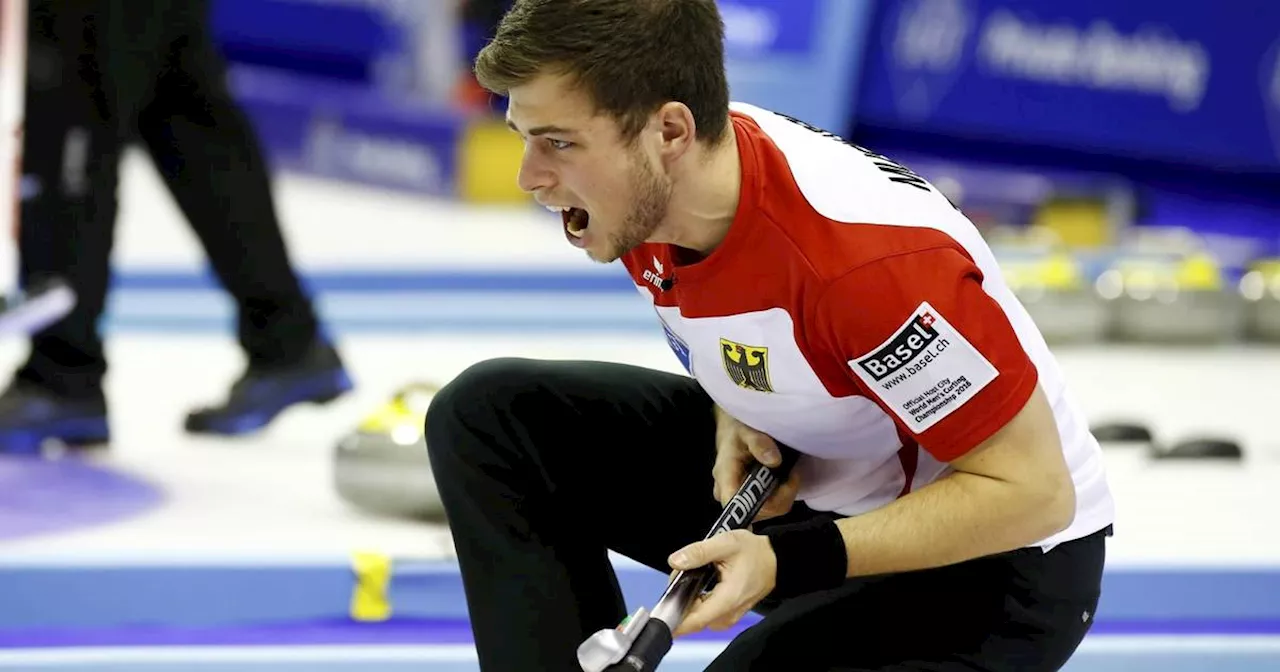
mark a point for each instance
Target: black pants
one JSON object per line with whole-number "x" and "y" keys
{"x": 103, "y": 74}
{"x": 542, "y": 466}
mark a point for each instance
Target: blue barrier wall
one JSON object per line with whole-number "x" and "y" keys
{"x": 1183, "y": 99}
{"x": 1195, "y": 82}
{"x": 1190, "y": 82}
{"x": 800, "y": 57}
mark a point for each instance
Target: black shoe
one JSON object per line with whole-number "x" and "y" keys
{"x": 30, "y": 415}
{"x": 263, "y": 393}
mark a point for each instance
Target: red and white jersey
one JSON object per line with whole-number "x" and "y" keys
{"x": 854, "y": 314}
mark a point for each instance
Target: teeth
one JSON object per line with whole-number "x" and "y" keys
{"x": 558, "y": 208}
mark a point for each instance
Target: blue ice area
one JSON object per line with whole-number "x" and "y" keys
{"x": 275, "y": 616}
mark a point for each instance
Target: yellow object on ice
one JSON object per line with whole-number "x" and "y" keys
{"x": 1060, "y": 271}
{"x": 370, "y": 600}
{"x": 1269, "y": 267}
{"x": 1199, "y": 272}
{"x": 1078, "y": 223}
{"x": 406, "y": 409}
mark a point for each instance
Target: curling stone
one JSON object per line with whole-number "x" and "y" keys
{"x": 1055, "y": 293}
{"x": 1157, "y": 299}
{"x": 382, "y": 467}
{"x": 1122, "y": 432}
{"x": 1260, "y": 288}
{"x": 1200, "y": 448}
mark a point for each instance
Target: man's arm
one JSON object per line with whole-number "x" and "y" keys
{"x": 1010, "y": 491}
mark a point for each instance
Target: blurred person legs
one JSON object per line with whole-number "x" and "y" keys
{"x": 99, "y": 77}
{"x": 210, "y": 158}
{"x": 23, "y": 310}
{"x": 71, "y": 152}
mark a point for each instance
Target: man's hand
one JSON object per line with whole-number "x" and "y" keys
{"x": 748, "y": 571}
{"x": 737, "y": 445}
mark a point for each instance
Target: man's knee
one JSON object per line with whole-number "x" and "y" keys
{"x": 479, "y": 391}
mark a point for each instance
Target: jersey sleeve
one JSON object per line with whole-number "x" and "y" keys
{"x": 923, "y": 339}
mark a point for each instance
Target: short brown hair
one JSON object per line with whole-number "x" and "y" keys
{"x": 630, "y": 56}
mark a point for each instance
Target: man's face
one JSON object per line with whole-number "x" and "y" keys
{"x": 610, "y": 193}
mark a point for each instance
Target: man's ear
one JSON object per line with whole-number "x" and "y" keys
{"x": 678, "y": 130}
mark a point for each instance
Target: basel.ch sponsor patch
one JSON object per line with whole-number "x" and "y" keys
{"x": 925, "y": 370}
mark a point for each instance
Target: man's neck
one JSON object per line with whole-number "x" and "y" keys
{"x": 706, "y": 198}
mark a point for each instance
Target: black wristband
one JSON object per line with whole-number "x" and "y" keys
{"x": 810, "y": 558}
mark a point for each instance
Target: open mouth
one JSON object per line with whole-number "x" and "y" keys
{"x": 575, "y": 221}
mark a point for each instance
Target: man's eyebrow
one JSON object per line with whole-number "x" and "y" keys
{"x": 541, "y": 130}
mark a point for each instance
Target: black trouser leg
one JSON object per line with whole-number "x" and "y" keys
{"x": 209, "y": 157}
{"x": 71, "y": 153}
{"x": 1024, "y": 611}
{"x": 541, "y": 467}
